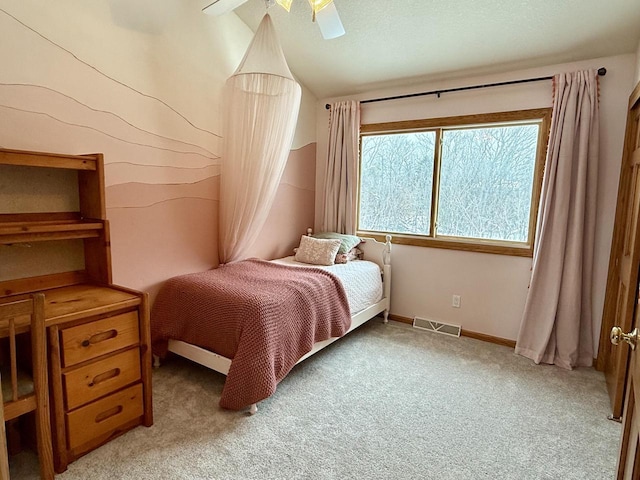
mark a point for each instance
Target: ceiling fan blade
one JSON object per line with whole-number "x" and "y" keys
{"x": 329, "y": 22}
{"x": 220, "y": 7}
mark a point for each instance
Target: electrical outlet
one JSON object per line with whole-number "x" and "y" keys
{"x": 455, "y": 301}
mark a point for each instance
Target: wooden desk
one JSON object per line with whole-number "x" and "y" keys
{"x": 99, "y": 352}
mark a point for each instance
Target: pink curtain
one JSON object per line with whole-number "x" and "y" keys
{"x": 338, "y": 205}
{"x": 262, "y": 101}
{"x": 557, "y": 325}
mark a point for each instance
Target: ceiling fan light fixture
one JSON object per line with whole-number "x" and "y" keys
{"x": 325, "y": 15}
{"x": 317, "y": 5}
{"x": 286, "y": 4}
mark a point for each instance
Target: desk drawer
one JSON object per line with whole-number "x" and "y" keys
{"x": 104, "y": 416}
{"x": 84, "y": 384}
{"x": 90, "y": 340}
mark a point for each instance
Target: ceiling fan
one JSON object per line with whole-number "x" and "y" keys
{"x": 324, "y": 13}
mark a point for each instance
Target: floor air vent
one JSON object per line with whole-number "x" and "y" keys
{"x": 438, "y": 327}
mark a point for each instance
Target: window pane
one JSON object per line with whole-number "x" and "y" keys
{"x": 486, "y": 182}
{"x": 395, "y": 182}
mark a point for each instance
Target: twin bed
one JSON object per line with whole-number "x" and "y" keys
{"x": 254, "y": 320}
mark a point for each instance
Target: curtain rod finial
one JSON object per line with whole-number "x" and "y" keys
{"x": 602, "y": 71}
{"x": 327, "y": 106}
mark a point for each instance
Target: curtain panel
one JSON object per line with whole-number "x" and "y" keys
{"x": 339, "y": 199}
{"x": 556, "y": 326}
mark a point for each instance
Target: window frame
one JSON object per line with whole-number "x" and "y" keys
{"x": 501, "y": 247}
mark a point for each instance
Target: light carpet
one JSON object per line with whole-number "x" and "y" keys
{"x": 385, "y": 402}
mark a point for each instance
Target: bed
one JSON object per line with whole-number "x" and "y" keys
{"x": 254, "y": 320}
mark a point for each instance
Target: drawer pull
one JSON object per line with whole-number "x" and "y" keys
{"x": 105, "y": 376}
{"x": 100, "y": 337}
{"x": 101, "y": 417}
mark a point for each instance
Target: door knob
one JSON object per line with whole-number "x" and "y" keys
{"x": 617, "y": 336}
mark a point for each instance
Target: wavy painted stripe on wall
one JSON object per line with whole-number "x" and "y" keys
{"x": 68, "y": 53}
{"x": 135, "y": 189}
{"x": 72, "y": 76}
{"x": 34, "y": 131}
{"x": 300, "y": 147}
{"x": 123, "y": 172}
{"x": 141, "y": 195}
{"x": 46, "y": 100}
{"x": 299, "y": 172}
{"x": 137, "y": 144}
{"x": 301, "y": 168}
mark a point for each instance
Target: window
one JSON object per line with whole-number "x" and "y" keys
{"x": 468, "y": 182}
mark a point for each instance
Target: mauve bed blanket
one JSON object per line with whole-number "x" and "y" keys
{"x": 264, "y": 316}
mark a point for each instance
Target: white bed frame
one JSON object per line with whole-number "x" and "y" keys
{"x": 374, "y": 251}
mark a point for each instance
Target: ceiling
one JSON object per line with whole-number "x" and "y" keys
{"x": 396, "y": 42}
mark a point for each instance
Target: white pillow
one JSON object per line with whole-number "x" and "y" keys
{"x": 317, "y": 251}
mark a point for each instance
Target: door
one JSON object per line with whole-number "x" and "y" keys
{"x": 624, "y": 261}
{"x": 629, "y": 459}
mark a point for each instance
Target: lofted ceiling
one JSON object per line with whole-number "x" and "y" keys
{"x": 395, "y": 42}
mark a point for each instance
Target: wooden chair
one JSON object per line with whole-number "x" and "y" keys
{"x": 4, "y": 455}
{"x": 23, "y": 393}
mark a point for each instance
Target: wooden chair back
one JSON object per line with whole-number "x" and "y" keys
{"x": 28, "y": 392}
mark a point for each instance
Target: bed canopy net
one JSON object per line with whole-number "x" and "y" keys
{"x": 262, "y": 101}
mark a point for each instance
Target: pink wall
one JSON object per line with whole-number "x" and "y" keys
{"x": 145, "y": 89}
{"x": 156, "y": 228}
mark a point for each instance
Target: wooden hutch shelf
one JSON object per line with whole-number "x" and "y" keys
{"x": 38, "y": 231}
{"x": 49, "y": 160}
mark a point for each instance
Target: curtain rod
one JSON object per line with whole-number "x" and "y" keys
{"x": 601, "y": 72}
